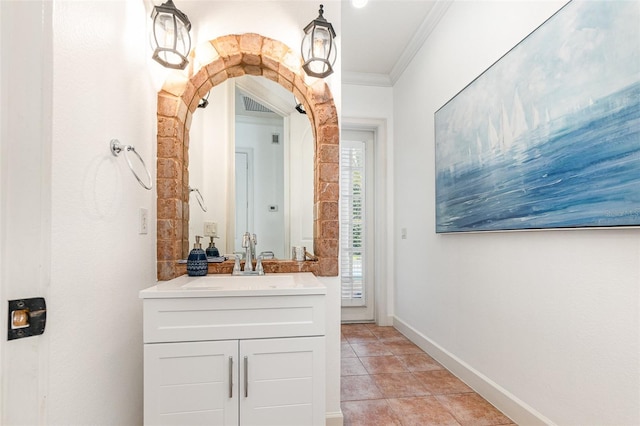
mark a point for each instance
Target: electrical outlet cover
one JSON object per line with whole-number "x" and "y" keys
{"x": 143, "y": 224}
{"x": 210, "y": 229}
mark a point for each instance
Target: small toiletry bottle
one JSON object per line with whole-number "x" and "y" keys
{"x": 237, "y": 270}
{"x": 197, "y": 261}
{"x": 212, "y": 250}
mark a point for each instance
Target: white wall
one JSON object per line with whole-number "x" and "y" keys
{"x": 367, "y": 102}
{"x": 544, "y": 323}
{"x": 101, "y": 90}
{"x": 300, "y": 177}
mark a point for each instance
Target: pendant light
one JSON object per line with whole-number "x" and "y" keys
{"x": 318, "y": 47}
{"x": 171, "y": 39}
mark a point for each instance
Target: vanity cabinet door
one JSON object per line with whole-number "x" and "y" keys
{"x": 282, "y": 381}
{"x": 191, "y": 383}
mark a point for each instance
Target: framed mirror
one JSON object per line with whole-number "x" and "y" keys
{"x": 251, "y": 168}
{"x": 235, "y": 56}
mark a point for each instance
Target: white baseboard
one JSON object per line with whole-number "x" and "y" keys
{"x": 387, "y": 320}
{"x": 334, "y": 419}
{"x": 512, "y": 407}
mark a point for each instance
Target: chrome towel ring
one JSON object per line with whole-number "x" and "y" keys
{"x": 117, "y": 147}
{"x": 199, "y": 198}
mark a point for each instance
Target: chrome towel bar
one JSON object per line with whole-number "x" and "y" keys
{"x": 199, "y": 198}
{"x": 117, "y": 147}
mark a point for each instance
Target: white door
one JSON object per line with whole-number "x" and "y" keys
{"x": 191, "y": 383}
{"x": 357, "y": 225}
{"x": 25, "y": 206}
{"x": 282, "y": 382}
{"x": 244, "y": 195}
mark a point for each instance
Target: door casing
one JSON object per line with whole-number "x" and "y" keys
{"x": 383, "y": 222}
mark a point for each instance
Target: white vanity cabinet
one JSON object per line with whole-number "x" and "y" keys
{"x": 220, "y": 358}
{"x": 231, "y": 382}
{"x": 188, "y": 383}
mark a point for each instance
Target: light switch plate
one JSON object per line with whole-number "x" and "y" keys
{"x": 210, "y": 229}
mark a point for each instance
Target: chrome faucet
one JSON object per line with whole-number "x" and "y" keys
{"x": 249, "y": 242}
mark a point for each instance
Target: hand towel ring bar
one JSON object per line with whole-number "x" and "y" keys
{"x": 199, "y": 198}
{"x": 117, "y": 147}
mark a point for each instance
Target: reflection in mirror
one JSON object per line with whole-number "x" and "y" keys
{"x": 259, "y": 174}
{"x": 251, "y": 156}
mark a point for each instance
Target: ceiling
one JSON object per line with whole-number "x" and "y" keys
{"x": 379, "y": 40}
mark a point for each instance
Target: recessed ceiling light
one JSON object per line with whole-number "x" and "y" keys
{"x": 359, "y": 3}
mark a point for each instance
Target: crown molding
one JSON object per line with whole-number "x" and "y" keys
{"x": 418, "y": 39}
{"x": 366, "y": 79}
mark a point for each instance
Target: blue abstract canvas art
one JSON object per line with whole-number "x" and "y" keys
{"x": 549, "y": 135}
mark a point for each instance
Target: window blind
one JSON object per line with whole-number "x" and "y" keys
{"x": 352, "y": 222}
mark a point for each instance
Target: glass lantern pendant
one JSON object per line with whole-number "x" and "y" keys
{"x": 171, "y": 38}
{"x": 318, "y": 47}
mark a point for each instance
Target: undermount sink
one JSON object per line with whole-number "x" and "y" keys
{"x": 243, "y": 282}
{"x": 215, "y": 285}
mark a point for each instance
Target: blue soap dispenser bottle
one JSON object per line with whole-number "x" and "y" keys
{"x": 212, "y": 250}
{"x": 197, "y": 261}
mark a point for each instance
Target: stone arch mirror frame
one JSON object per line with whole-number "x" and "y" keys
{"x": 234, "y": 56}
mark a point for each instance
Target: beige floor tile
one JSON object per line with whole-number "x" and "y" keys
{"x": 399, "y": 385}
{"x": 350, "y": 328}
{"x": 369, "y": 413}
{"x": 358, "y": 333}
{"x": 440, "y": 382}
{"x": 352, "y": 367}
{"x": 419, "y": 362}
{"x": 386, "y": 333}
{"x": 383, "y": 364}
{"x": 357, "y": 388}
{"x": 346, "y": 351}
{"x": 388, "y": 380}
{"x": 470, "y": 409}
{"x": 402, "y": 347}
{"x": 422, "y": 411}
{"x": 362, "y": 338}
{"x": 370, "y": 349}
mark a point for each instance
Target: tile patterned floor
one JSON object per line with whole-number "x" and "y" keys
{"x": 387, "y": 380}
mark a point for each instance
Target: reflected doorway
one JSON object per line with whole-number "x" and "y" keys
{"x": 244, "y": 195}
{"x": 260, "y": 173}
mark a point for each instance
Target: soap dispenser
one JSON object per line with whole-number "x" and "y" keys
{"x": 212, "y": 250}
{"x": 197, "y": 261}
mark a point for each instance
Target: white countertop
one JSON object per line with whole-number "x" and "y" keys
{"x": 218, "y": 285}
